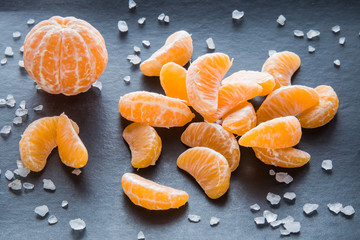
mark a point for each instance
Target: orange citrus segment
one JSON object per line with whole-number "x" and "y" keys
{"x": 283, "y": 157}
{"x": 145, "y": 144}
{"x": 231, "y": 94}
{"x": 280, "y": 132}
{"x": 154, "y": 109}
{"x": 72, "y": 151}
{"x": 241, "y": 119}
{"x": 287, "y": 101}
{"x": 203, "y": 81}
{"x": 324, "y": 111}
{"x": 209, "y": 168}
{"x": 265, "y": 80}
{"x": 178, "y": 48}
{"x": 282, "y": 66}
{"x": 173, "y": 81}
{"x": 151, "y": 195}
{"x": 212, "y": 135}
{"x": 37, "y": 142}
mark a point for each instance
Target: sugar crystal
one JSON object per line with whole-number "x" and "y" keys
{"x": 31, "y": 21}
{"x": 210, "y": 43}
{"x": 237, "y": 15}
{"x": 52, "y": 219}
{"x": 146, "y": 43}
{"x": 311, "y": 49}
{"x": 64, "y": 204}
{"x": 290, "y": 196}
{"x": 259, "y": 220}
{"x": 327, "y": 165}
{"x": 97, "y": 85}
{"x": 342, "y": 40}
{"x": 194, "y": 218}
{"x": 122, "y": 26}
{"x": 214, "y": 221}
{"x": 335, "y": 29}
{"x": 77, "y": 224}
{"x": 127, "y": 79}
{"x": 16, "y": 35}
{"x": 9, "y": 175}
{"x": 281, "y": 20}
{"x": 141, "y": 236}
{"x": 309, "y": 208}
{"x": 167, "y": 19}
{"x": 312, "y": 34}
{"x": 298, "y": 33}
{"x": 348, "y": 210}
{"x": 335, "y": 207}
{"x": 3, "y": 61}
{"x": 5, "y": 131}
{"x": 292, "y": 227}
{"x": 76, "y": 172}
{"x": 269, "y": 216}
{"x": 38, "y": 108}
{"x": 161, "y": 17}
{"x": 274, "y": 199}
{"x": 41, "y": 210}
{"x": 337, "y": 62}
{"x": 48, "y": 185}
{"x": 271, "y": 52}
{"x": 132, "y": 4}
{"x": 137, "y": 49}
{"x": 28, "y": 186}
{"x": 255, "y": 207}
{"x": 17, "y": 121}
{"x": 15, "y": 185}
{"x": 9, "y": 52}
{"x": 141, "y": 20}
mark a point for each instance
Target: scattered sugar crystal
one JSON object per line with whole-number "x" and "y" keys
{"x": 214, "y": 221}
{"x": 348, "y": 210}
{"x": 22, "y": 172}
{"x": 132, "y": 4}
{"x": 22, "y": 113}
{"x": 298, "y": 33}
{"x": 194, "y": 218}
{"x": 77, "y": 224}
{"x": 275, "y": 224}
{"x": 312, "y": 34}
{"x": 127, "y": 79}
{"x": 3, "y": 61}
{"x": 15, "y": 185}
{"x": 2, "y": 102}
{"x": 17, "y": 121}
{"x": 289, "y": 196}
{"x": 274, "y": 199}
{"x": 137, "y": 49}
{"x": 22, "y": 104}
{"x": 21, "y": 63}
{"x": 287, "y": 219}
{"x": 272, "y": 172}
{"x": 9, "y": 52}
{"x": 271, "y": 52}
{"x": 288, "y": 179}
{"x": 280, "y": 176}
{"x": 97, "y": 85}
{"x": 335, "y": 207}
{"x": 48, "y": 185}
{"x": 161, "y": 17}
{"x": 342, "y": 40}
{"x": 335, "y": 29}
{"x": 236, "y": 15}
{"x": 5, "y": 131}
{"x": 146, "y": 43}
{"x": 28, "y": 186}
{"x": 210, "y": 43}
{"x": 38, "y": 108}
{"x": 309, "y": 208}
{"x": 9, "y": 175}
{"x": 10, "y": 101}
{"x": 327, "y": 164}
{"x": 259, "y": 220}
{"x": 122, "y": 26}
{"x": 20, "y": 164}
{"x": 30, "y": 21}
{"x": 292, "y": 227}
{"x": 141, "y": 20}
{"x": 76, "y": 171}
{"x": 64, "y": 204}
{"x": 41, "y": 210}
{"x": 284, "y": 232}
{"x": 281, "y": 20}
{"x": 269, "y": 216}
{"x": 52, "y": 219}
{"x": 134, "y": 59}
{"x": 255, "y": 207}
{"x": 16, "y": 35}
{"x": 167, "y": 19}
{"x": 21, "y": 49}
{"x": 311, "y": 49}
{"x": 141, "y": 236}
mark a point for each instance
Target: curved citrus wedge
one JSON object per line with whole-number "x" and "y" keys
{"x": 283, "y": 157}
{"x": 154, "y": 109}
{"x": 173, "y": 81}
{"x": 209, "y": 168}
{"x": 145, "y": 144}
{"x": 151, "y": 195}
{"x": 324, "y": 111}
{"x": 214, "y": 136}
{"x": 287, "y": 101}
{"x": 37, "y": 142}
{"x": 232, "y": 94}
{"x": 265, "y": 80}
{"x": 282, "y": 66}
{"x": 72, "y": 151}
{"x": 203, "y": 81}
{"x": 241, "y": 119}
{"x": 280, "y": 132}
{"x": 178, "y": 48}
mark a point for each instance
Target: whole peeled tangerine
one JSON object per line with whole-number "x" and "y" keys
{"x": 64, "y": 55}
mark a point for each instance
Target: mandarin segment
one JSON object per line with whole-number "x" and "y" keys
{"x": 214, "y": 136}
{"x": 241, "y": 119}
{"x": 324, "y": 111}
{"x": 287, "y": 101}
{"x": 209, "y": 168}
{"x": 151, "y": 195}
{"x": 154, "y": 109}
{"x": 178, "y": 48}
{"x": 203, "y": 81}
{"x": 282, "y": 66}
{"x": 145, "y": 144}
{"x": 280, "y": 132}
{"x": 283, "y": 157}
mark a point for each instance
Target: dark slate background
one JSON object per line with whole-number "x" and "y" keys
{"x": 96, "y": 195}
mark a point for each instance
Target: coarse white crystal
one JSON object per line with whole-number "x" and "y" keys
{"x": 255, "y": 207}
{"x": 17, "y": 121}
{"x": 274, "y": 199}
{"x": 16, "y": 35}
{"x": 298, "y": 33}
{"x": 10, "y": 101}
{"x": 210, "y": 43}
{"x": 122, "y": 26}
{"x": 22, "y": 172}
{"x": 287, "y": 219}
{"x": 2, "y": 102}
{"x": 269, "y": 216}
{"x": 281, "y": 20}
{"x": 167, "y": 19}
{"x": 146, "y": 43}
{"x": 312, "y": 34}
{"x": 64, "y": 204}
{"x": 292, "y": 227}
{"x": 41, "y": 210}
{"x": 272, "y": 172}
{"x": 161, "y": 17}
{"x": 9, "y": 52}
{"x": 141, "y": 236}
{"x": 335, "y": 29}
{"x": 97, "y": 85}
{"x": 335, "y": 207}
{"x": 76, "y": 171}
{"x": 259, "y": 220}
{"x": 5, "y": 131}
{"x": 275, "y": 224}
{"x": 49, "y": 185}
{"x": 327, "y": 164}
{"x": 137, "y": 49}
{"x": 52, "y": 219}
{"x": 21, "y": 112}
{"x": 237, "y": 15}
{"x": 311, "y": 49}
{"x": 3, "y": 61}
{"x": 141, "y": 20}
{"x": 284, "y": 232}
{"x": 21, "y": 49}
{"x": 28, "y": 186}
{"x": 271, "y": 52}
{"x": 337, "y": 62}
{"x": 31, "y": 21}
{"x": 77, "y": 224}
{"x": 15, "y": 185}
{"x": 132, "y": 4}
{"x": 194, "y": 218}
{"x": 214, "y": 221}
{"x": 9, "y": 175}
{"x": 309, "y": 208}
{"x": 348, "y": 210}
{"x": 342, "y": 40}
{"x": 288, "y": 179}
{"x": 289, "y": 196}
{"x": 22, "y": 104}
{"x": 127, "y": 79}
{"x": 38, "y": 108}
{"x": 21, "y": 63}
{"x": 134, "y": 59}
